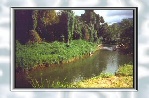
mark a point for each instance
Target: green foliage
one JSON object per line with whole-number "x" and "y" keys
{"x": 47, "y": 17}
{"x": 43, "y": 22}
{"x": 70, "y": 25}
{"x": 126, "y": 70}
{"x": 63, "y": 26}
{"x": 105, "y": 75}
{"x": 92, "y": 20}
{"x": 32, "y": 55}
{"x": 118, "y": 33}
{"x": 66, "y": 26}
{"x": 110, "y": 33}
{"x": 126, "y": 36}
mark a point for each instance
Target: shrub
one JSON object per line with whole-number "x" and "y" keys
{"x": 126, "y": 70}
{"x": 30, "y": 55}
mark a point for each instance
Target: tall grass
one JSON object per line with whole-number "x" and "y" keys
{"x": 32, "y": 55}
{"x": 45, "y": 83}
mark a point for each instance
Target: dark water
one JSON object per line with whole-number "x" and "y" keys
{"x": 102, "y": 61}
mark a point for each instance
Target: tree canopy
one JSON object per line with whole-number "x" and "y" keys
{"x": 49, "y": 26}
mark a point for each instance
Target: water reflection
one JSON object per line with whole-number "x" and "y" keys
{"x": 101, "y": 61}
{"x": 112, "y": 63}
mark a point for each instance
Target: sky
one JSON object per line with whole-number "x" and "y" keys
{"x": 110, "y": 16}
{"x": 143, "y": 45}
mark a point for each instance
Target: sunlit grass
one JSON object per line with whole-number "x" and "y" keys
{"x": 126, "y": 70}
{"x": 110, "y": 82}
{"x": 122, "y": 79}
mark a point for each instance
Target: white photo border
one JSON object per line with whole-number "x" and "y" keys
{"x": 135, "y": 59}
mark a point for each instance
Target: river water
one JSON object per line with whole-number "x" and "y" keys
{"x": 102, "y": 60}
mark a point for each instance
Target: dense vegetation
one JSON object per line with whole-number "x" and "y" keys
{"x": 62, "y": 26}
{"x": 65, "y": 26}
{"x": 48, "y": 37}
{"x": 32, "y": 55}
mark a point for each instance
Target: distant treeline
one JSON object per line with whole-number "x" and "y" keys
{"x": 35, "y": 26}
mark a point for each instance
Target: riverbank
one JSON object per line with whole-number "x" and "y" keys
{"x": 123, "y": 78}
{"x": 44, "y": 54}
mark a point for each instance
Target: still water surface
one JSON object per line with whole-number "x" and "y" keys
{"x": 102, "y": 61}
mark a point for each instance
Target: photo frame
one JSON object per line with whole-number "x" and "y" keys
{"x": 13, "y": 48}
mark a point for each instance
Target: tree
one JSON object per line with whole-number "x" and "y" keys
{"x": 101, "y": 20}
{"x": 67, "y": 24}
{"x": 62, "y": 26}
{"x": 34, "y": 37}
{"x": 103, "y": 32}
{"x": 43, "y": 23}
{"x": 78, "y": 28}
{"x": 35, "y": 19}
{"x": 48, "y": 17}
{"x": 126, "y": 36}
{"x": 70, "y": 25}
{"x": 113, "y": 33}
{"x": 93, "y": 21}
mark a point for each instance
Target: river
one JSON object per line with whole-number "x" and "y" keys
{"x": 104, "y": 60}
